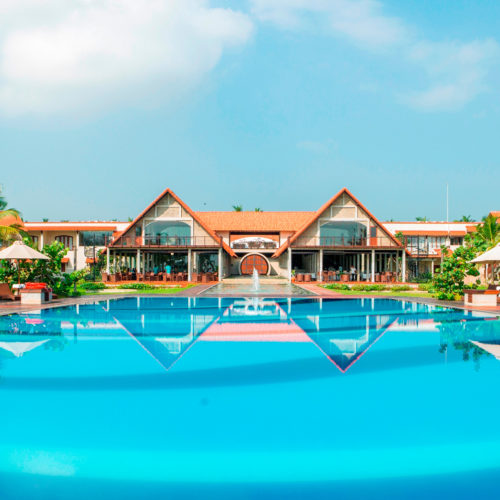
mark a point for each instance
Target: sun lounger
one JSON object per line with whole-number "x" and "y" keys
{"x": 6, "y": 293}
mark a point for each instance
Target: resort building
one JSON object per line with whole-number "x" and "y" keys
{"x": 423, "y": 242}
{"x": 341, "y": 237}
{"x": 84, "y": 240}
{"x": 342, "y": 240}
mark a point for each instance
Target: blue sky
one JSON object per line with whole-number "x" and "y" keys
{"x": 274, "y": 104}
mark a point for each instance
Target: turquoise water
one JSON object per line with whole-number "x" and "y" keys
{"x": 249, "y": 398}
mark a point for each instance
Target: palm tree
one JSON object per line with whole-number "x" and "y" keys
{"x": 465, "y": 218}
{"x": 237, "y": 208}
{"x": 421, "y": 219}
{"x": 9, "y": 231}
{"x": 489, "y": 231}
{"x": 258, "y": 210}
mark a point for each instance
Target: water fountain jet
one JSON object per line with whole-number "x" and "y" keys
{"x": 256, "y": 280}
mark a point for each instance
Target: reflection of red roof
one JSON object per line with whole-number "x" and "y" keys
{"x": 255, "y": 221}
{"x": 254, "y": 332}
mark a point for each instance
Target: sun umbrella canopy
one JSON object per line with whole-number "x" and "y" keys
{"x": 19, "y": 251}
{"x": 492, "y": 255}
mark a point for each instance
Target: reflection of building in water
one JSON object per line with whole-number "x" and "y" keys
{"x": 166, "y": 329}
{"x": 345, "y": 336}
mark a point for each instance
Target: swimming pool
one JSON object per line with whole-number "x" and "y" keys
{"x": 249, "y": 397}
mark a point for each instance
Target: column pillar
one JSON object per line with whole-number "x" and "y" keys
{"x": 320, "y": 265}
{"x": 403, "y": 277}
{"x": 75, "y": 252}
{"x": 41, "y": 240}
{"x": 189, "y": 265}
{"x": 432, "y": 267}
{"x": 373, "y": 266}
{"x": 107, "y": 260}
{"x": 289, "y": 263}
{"x": 220, "y": 264}
{"x": 138, "y": 261}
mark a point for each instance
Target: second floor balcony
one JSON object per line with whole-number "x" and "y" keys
{"x": 343, "y": 242}
{"x": 164, "y": 241}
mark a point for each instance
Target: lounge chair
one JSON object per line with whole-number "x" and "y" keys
{"x": 6, "y": 293}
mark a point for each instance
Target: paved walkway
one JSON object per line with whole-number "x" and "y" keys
{"x": 327, "y": 293}
{"x": 8, "y": 307}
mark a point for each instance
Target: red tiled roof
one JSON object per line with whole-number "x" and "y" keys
{"x": 317, "y": 214}
{"x": 428, "y": 232}
{"x": 10, "y": 220}
{"x": 207, "y": 228}
{"x": 254, "y": 221}
{"x": 30, "y": 226}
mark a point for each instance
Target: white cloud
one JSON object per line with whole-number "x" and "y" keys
{"x": 57, "y": 55}
{"x": 360, "y": 21}
{"x": 456, "y": 71}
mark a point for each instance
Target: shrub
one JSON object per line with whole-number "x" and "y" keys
{"x": 376, "y": 288}
{"x": 422, "y": 278}
{"x": 369, "y": 288}
{"x": 449, "y": 283}
{"x": 136, "y": 286}
{"x": 92, "y": 286}
{"x": 400, "y": 288}
{"x": 358, "y": 288}
{"x": 337, "y": 286}
{"x": 426, "y": 287}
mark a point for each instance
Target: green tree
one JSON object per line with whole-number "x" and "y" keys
{"x": 488, "y": 232}
{"x": 258, "y": 210}
{"x": 400, "y": 237}
{"x": 465, "y": 218}
{"x": 237, "y": 208}
{"x": 449, "y": 283}
{"x": 421, "y": 219}
{"x": 9, "y": 232}
{"x": 46, "y": 271}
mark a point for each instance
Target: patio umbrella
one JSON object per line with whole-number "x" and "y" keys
{"x": 19, "y": 251}
{"x": 491, "y": 348}
{"x": 19, "y": 348}
{"x": 492, "y": 257}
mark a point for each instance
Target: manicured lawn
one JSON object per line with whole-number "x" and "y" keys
{"x": 388, "y": 293}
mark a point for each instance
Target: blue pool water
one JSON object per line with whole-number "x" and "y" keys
{"x": 249, "y": 398}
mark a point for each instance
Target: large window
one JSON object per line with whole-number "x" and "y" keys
{"x": 66, "y": 240}
{"x": 95, "y": 238}
{"x": 343, "y": 233}
{"x": 167, "y": 233}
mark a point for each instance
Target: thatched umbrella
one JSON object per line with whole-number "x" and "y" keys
{"x": 491, "y": 257}
{"x": 19, "y": 251}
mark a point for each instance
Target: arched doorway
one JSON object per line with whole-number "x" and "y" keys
{"x": 252, "y": 261}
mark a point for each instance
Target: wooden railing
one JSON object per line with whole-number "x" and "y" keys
{"x": 341, "y": 241}
{"x": 165, "y": 241}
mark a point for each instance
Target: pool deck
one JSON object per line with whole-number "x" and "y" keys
{"x": 8, "y": 307}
